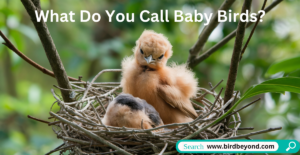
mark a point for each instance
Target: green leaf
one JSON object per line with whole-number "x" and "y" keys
{"x": 286, "y": 66}
{"x": 295, "y": 73}
{"x": 280, "y": 85}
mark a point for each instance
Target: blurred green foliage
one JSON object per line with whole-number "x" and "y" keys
{"x": 288, "y": 66}
{"x": 87, "y": 48}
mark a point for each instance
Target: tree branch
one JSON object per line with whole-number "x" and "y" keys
{"x": 9, "y": 45}
{"x": 220, "y": 44}
{"x": 252, "y": 31}
{"x": 49, "y": 47}
{"x": 36, "y": 119}
{"x": 236, "y": 55}
{"x": 196, "y": 49}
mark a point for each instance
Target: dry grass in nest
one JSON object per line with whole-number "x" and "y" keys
{"x": 79, "y": 123}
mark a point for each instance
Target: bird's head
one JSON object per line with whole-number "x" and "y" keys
{"x": 152, "y": 50}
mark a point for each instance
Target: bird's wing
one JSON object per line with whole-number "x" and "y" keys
{"x": 171, "y": 95}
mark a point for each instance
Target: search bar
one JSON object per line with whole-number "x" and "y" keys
{"x": 237, "y": 146}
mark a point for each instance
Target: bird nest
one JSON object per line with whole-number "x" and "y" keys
{"x": 80, "y": 127}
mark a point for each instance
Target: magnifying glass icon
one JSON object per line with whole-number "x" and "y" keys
{"x": 292, "y": 145}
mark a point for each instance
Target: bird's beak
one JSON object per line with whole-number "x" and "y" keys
{"x": 149, "y": 59}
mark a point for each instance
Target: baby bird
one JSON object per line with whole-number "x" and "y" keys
{"x": 167, "y": 88}
{"x": 126, "y": 110}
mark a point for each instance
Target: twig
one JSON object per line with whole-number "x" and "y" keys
{"x": 63, "y": 129}
{"x": 96, "y": 113}
{"x": 79, "y": 120}
{"x": 236, "y": 55}
{"x": 90, "y": 134}
{"x": 169, "y": 153}
{"x": 207, "y": 102}
{"x": 70, "y": 110}
{"x": 234, "y": 112}
{"x": 252, "y": 31}
{"x": 56, "y": 149}
{"x": 101, "y": 104}
{"x": 200, "y": 130}
{"x": 97, "y": 83}
{"x": 200, "y": 97}
{"x": 221, "y": 43}
{"x": 226, "y": 105}
{"x": 111, "y": 152}
{"x": 101, "y": 72}
{"x": 255, "y": 133}
{"x": 239, "y": 124}
{"x": 50, "y": 49}
{"x": 80, "y": 151}
{"x": 10, "y": 45}
{"x": 248, "y": 128}
{"x": 212, "y": 132}
{"x": 85, "y": 107}
{"x": 76, "y": 140}
{"x": 195, "y": 50}
{"x": 213, "y": 122}
{"x": 217, "y": 98}
{"x": 81, "y": 89}
{"x": 234, "y": 122}
{"x": 53, "y": 123}
{"x": 78, "y": 90}
{"x": 197, "y": 106}
{"x": 163, "y": 150}
{"x": 232, "y": 100}
{"x": 36, "y": 119}
{"x": 93, "y": 97}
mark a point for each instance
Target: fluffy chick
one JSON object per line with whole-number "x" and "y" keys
{"x": 126, "y": 110}
{"x": 167, "y": 88}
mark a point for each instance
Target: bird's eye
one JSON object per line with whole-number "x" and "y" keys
{"x": 141, "y": 51}
{"x": 161, "y": 57}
